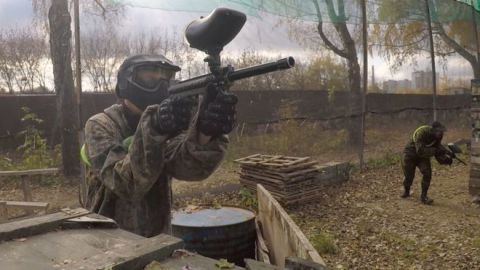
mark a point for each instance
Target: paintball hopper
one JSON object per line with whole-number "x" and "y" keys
{"x": 210, "y": 34}
{"x": 454, "y": 148}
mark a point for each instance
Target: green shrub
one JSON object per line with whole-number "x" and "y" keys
{"x": 324, "y": 243}
{"x": 248, "y": 198}
{"x": 5, "y": 163}
{"x": 35, "y": 152}
{"x": 389, "y": 159}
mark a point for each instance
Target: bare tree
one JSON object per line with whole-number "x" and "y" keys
{"x": 269, "y": 81}
{"x": 7, "y": 72}
{"x": 103, "y": 52}
{"x": 55, "y": 18}
{"x": 22, "y": 51}
{"x": 155, "y": 42}
{"x": 338, "y": 36}
{"x": 60, "y": 50}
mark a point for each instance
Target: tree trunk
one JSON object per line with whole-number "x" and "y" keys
{"x": 349, "y": 52}
{"x": 60, "y": 50}
{"x": 354, "y": 127}
{"x": 354, "y": 123}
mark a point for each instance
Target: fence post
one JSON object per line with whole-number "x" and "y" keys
{"x": 27, "y": 192}
{"x": 432, "y": 56}
{"x": 365, "y": 83}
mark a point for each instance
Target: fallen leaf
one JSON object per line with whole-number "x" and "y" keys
{"x": 224, "y": 264}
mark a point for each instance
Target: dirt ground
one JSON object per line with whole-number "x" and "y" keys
{"x": 364, "y": 224}
{"x": 361, "y": 224}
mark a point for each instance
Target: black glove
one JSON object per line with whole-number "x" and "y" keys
{"x": 444, "y": 159}
{"x": 220, "y": 114}
{"x": 440, "y": 151}
{"x": 173, "y": 116}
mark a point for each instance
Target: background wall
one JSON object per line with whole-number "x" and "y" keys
{"x": 256, "y": 109}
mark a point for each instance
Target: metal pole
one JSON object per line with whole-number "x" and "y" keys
{"x": 78, "y": 66}
{"x": 475, "y": 29}
{"x": 432, "y": 56}
{"x": 78, "y": 79}
{"x": 365, "y": 81}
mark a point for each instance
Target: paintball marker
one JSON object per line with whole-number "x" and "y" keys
{"x": 210, "y": 34}
{"x": 452, "y": 150}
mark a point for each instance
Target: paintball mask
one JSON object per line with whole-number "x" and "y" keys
{"x": 438, "y": 129}
{"x": 144, "y": 79}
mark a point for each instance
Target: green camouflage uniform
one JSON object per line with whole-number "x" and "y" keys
{"x": 417, "y": 153}
{"x": 132, "y": 185}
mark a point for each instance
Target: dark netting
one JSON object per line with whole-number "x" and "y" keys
{"x": 397, "y": 34}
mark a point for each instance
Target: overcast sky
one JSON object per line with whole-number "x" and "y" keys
{"x": 259, "y": 33}
{"x": 15, "y": 12}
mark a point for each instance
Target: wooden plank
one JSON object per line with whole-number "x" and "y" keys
{"x": 283, "y": 175}
{"x": 59, "y": 249}
{"x": 277, "y": 181}
{"x": 248, "y": 159}
{"x": 27, "y": 192}
{"x": 283, "y": 237}
{"x": 302, "y": 264}
{"x": 36, "y": 225}
{"x": 280, "y": 170}
{"x": 297, "y": 161}
{"x": 271, "y": 160}
{"x": 289, "y": 187}
{"x": 134, "y": 255}
{"x": 3, "y": 211}
{"x": 256, "y": 265}
{"x": 185, "y": 260}
{"x": 48, "y": 171}
{"x": 262, "y": 249}
{"x": 27, "y": 205}
{"x": 295, "y": 178}
{"x": 298, "y": 166}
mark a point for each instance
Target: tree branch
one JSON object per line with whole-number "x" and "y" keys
{"x": 104, "y": 10}
{"x": 325, "y": 39}
{"x": 342, "y": 29}
{"x": 457, "y": 47}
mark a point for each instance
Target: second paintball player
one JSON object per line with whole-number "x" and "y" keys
{"x": 424, "y": 144}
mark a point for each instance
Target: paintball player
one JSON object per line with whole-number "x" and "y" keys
{"x": 133, "y": 149}
{"x": 424, "y": 144}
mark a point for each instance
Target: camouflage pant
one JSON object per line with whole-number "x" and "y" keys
{"x": 410, "y": 163}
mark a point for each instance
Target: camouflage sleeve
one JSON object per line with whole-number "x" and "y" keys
{"x": 188, "y": 160}
{"x": 131, "y": 172}
{"x": 423, "y": 150}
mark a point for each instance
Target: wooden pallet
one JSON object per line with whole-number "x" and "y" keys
{"x": 284, "y": 194}
{"x": 287, "y": 176}
{"x": 283, "y": 162}
{"x": 290, "y": 188}
{"x": 289, "y": 179}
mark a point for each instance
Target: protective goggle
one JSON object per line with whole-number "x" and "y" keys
{"x": 151, "y": 76}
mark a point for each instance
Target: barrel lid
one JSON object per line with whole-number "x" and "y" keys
{"x": 212, "y": 217}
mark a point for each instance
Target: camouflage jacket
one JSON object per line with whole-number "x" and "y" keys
{"x": 132, "y": 185}
{"x": 423, "y": 143}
